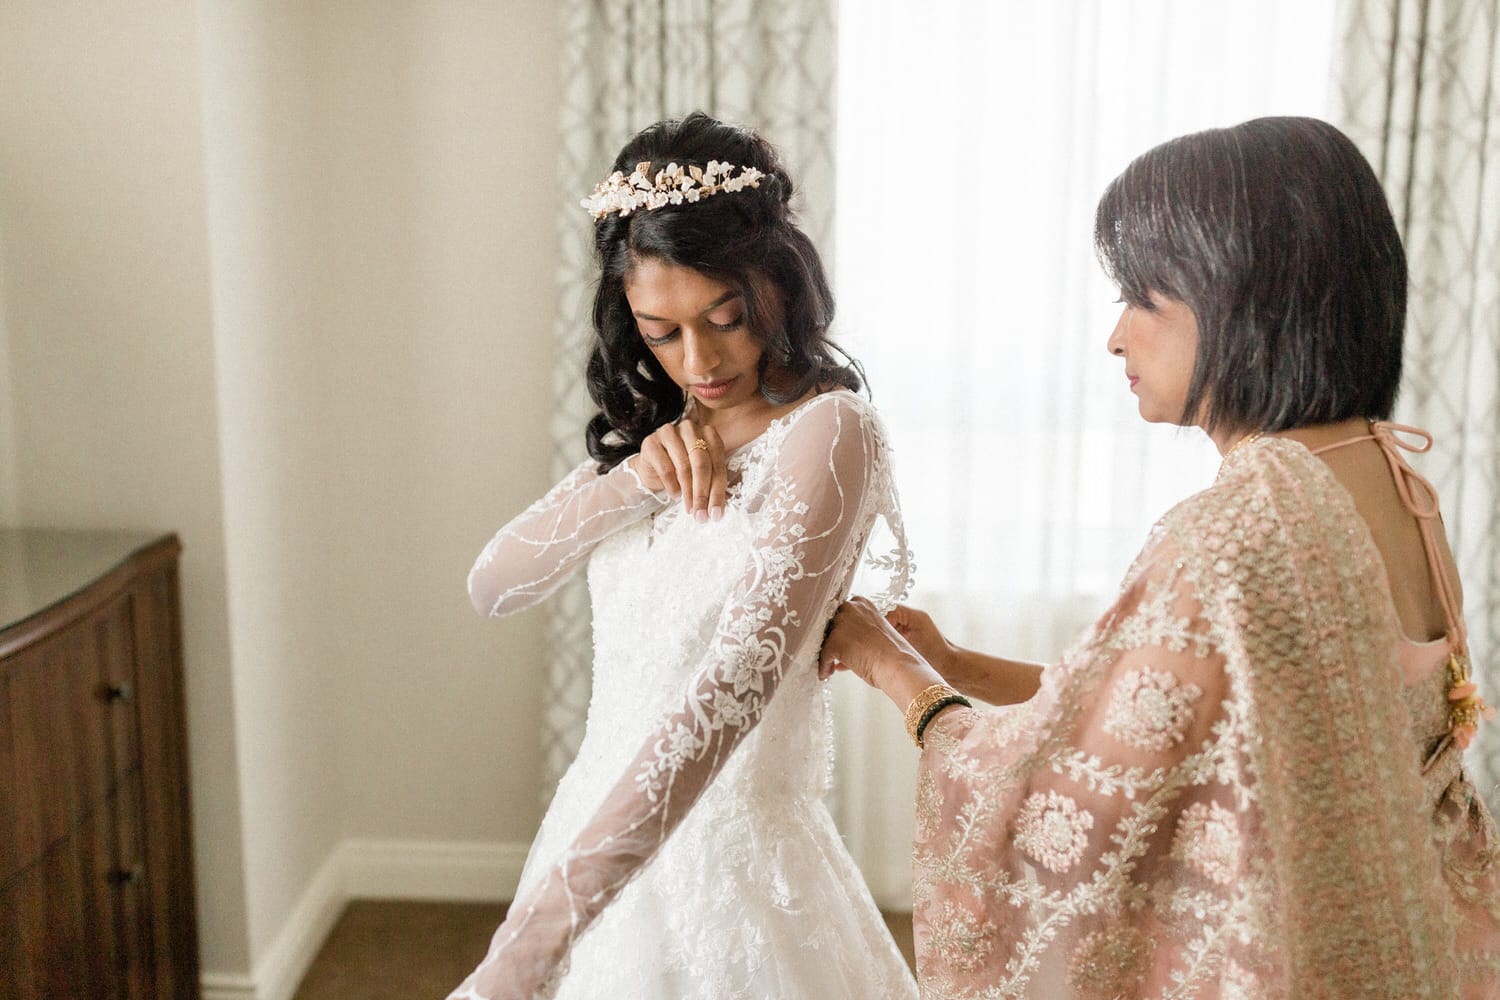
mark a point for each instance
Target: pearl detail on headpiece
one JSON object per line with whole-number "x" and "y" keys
{"x": 672, "y": 185}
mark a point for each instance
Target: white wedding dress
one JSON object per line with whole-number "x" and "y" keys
{"x": 688, "y": 852}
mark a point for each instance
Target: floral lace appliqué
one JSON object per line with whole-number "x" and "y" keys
{"x": 1053, "y": 829}
{"x": 1151, "y": 709}
{"x": 1209, "y": 841}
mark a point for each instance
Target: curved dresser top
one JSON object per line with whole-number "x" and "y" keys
{"x": 51, "y": 576}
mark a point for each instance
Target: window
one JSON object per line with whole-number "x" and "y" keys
{"x": 974, "y": 141}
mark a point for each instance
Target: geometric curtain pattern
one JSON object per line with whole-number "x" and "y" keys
{"x": 1418, "y": 88}
{"x": 766, "y": 64}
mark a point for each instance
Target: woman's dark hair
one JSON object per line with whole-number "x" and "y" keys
{"x": 745, "y": 239}
{"x": 1277, "y": 235}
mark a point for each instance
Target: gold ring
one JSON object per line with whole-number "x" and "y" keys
{"x": 699, "y": 445}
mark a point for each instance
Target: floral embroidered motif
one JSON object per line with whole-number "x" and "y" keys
{"x": 1052, "y": 829}
{"x": 1237, "y": 983}
{"x": 1208, "y": 840}
{"x": 1110, "y": 963}
{"x": 1151, "y": 709}
{"x": 961, "y": 938}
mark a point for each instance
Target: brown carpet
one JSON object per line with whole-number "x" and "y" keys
{"x": 402, "y": 950}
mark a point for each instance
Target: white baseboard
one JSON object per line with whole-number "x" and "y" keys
{"x": 219, "y": 986}
{"x": 370, "y": 869}
{"x": 469, "y": 872}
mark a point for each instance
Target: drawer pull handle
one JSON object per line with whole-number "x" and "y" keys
{"x": 122, "y": 693}
{"x": 128, "y": 876}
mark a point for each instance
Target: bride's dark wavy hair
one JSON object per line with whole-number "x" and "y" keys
{"x": 746, "y": 239}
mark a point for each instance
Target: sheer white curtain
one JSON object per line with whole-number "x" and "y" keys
{"x": 974, "y": 141}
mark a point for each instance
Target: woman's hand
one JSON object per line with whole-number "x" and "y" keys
{"x": 918, "y": 628}
{"x": 915, "y": 626}
{"x": 687, "y": 460}
{"x": 863, "y": 642}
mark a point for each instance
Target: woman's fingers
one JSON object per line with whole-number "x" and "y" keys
{"x": 689, "y": 461}
{"x": 660, "y": 472}
{"x": 718, "y": 485}
{"x": 682, "y": 463}
{"x": 856, "y": 639}
{"x": 700, "y": 468}
{"x": 705, "y": 481}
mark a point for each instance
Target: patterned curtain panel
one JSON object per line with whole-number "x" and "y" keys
{"x": 1419, "y": 90}
{"x": 768, "y": 64}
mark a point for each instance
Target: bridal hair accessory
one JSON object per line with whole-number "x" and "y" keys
{"x": 672, "y": 185}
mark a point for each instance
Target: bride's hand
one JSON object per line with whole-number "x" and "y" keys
{"x": 687, "y": 460}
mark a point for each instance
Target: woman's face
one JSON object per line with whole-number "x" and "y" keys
{"x": 697, "y": 328}
{"x": 1159, "y": 344}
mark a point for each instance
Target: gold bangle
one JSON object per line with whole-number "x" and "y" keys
{"x": 932, "y": 713}
{"x": 924, "y": 700}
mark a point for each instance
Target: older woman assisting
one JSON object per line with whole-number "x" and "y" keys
{"x": 1246, "y": 779}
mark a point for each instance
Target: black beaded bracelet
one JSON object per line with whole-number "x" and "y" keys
{"x": 935, "y": 708}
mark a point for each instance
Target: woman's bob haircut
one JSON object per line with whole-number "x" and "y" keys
{"x": 1277, "y": 235}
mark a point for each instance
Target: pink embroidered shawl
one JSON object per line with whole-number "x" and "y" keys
{"x": 1222, "y": 790}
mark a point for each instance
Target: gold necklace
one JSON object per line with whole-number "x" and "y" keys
{"x": 1250, "y": 438}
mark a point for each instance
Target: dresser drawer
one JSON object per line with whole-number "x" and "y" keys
{"x": 70, "y": 731}
{"x": 96, "y": 872}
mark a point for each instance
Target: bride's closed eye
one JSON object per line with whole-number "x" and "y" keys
{"x": 661, "y": 341}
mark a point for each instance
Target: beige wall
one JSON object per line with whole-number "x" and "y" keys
{"x": 280, "y": 277}
{"x": 254, "y": 81}
{"x": 106, "y": 301}
{"x": 435, "y": 176}
{"x": 8, "y": 495}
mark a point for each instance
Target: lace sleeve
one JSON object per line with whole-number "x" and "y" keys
{"x": 815, "y": 508}
{"x": 531, "y": 556}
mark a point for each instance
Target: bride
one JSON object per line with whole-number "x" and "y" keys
{"x": 735, "y": 479}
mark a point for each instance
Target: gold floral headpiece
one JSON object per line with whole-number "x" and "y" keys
{"x": 672, "y": 185}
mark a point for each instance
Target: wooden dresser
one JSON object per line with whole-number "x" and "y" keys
{"x": 96, "y": 872}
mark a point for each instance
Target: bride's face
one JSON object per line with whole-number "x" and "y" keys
{"x": 696, "y": 326}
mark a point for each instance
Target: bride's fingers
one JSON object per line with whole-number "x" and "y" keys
{"x": 698, "y": 446}
{"x": 670, "y": 438}
{"x": 657, "y": 469}
{"x": 718, "y": 487}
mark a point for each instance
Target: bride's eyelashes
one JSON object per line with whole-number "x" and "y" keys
{"x": 667, "y": 338}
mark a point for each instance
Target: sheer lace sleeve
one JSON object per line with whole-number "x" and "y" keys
{"x": 531, "y": 556}
{"x": 813, "y": 510}
{"x": 1212, "y": 794}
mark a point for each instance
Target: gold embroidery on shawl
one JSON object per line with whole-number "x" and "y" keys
{"x": 1053, "y": 830}
{"x": 1110, "y": 963}
{"x": 1208, "y": 840}
{"x": 1151, "y": 709}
